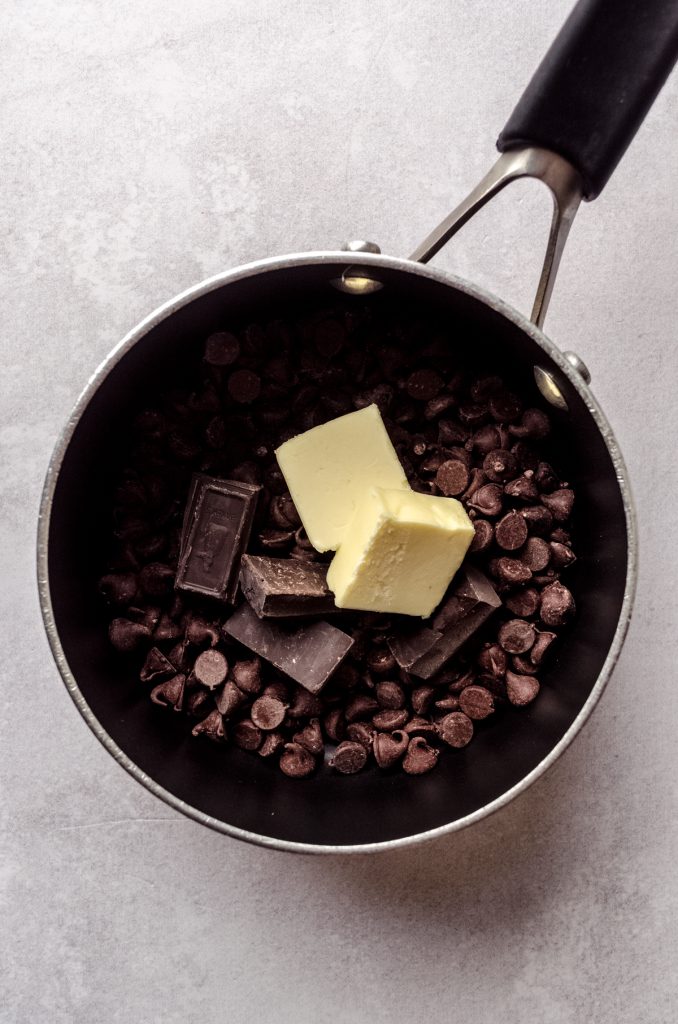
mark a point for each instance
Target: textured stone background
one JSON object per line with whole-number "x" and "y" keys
{"x": 145, "y": 146}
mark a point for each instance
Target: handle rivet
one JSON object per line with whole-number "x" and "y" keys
{"x": 579, "y": 365}
{"x": 360, "y": 246}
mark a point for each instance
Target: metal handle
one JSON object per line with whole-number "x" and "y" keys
{"x": 563, "y": 181}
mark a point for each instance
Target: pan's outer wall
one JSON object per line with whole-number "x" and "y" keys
{"x": 243, "y": 796}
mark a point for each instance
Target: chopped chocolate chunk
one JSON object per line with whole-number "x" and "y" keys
{"x": 217, "y": 526}
{"x": 308, "y": 653}
{"x": 285, "y": 587}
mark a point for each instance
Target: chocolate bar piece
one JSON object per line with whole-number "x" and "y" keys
{"x": 277, "y": 587}
{"x": 467, "y": 606}
{"x": 308, "y": 653}
{"x": 216, "y": 530}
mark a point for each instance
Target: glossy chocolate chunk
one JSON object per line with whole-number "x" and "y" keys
{"x": 285, "y": 587}
{"x": 308, "y": 654}
{"x": 217, "y": 526}
{"x": 467, "y": 606}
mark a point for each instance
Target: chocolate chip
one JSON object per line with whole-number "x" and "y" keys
{"x": 523, "y": 666}
{"x": 329, "y": 337}
{"x": 523, "y": 488}
{"x": 276, "y": 540}
{"x": 390, "y": 696}
{"x": 472, "y": 414}
{"x": 296, "y": 761}
{"x": 127, "y": 636}
{"x": 477, "y": 702}
{"x": 419, "y": 726}
{"x": 268, "y": 713}
{"x": 536, "y": 555}
{"x": 539, "y": 520}
{"x": 170, "y": 693}
{"x": 456, "y": 729}
{"x": 450, "y": 432}
{"x": 197, "y": 701}
{"x": 520, "y": 689}
{"x": 505, "y": 407}
{"x": 360, "y": 706}
{"x": 423, "y": 385}
{"x": 247, "y": 676}
{"x": 244, "y": 386}
{"x": 279, "y": 690}
{"x": 559, "y": 504}
{"x": 221, "y": 349}
{"x": 229, "y": 699}
{"x": 447, "y": 703}
{"x": 541, "y": 646}
{"x": 561, "y": 536}
{"x": 452, "y": 477}
{"x": 311, "y": 737}
{"x": 381, "y": 661}
{"x": 477, "y": 480}
{"x": 492, "y": 660}
{"x": 484, "y": 535}
{"x": 487, "y": 439}
{"x": 545, "y": 477}
{"x": 389, "y": 748}
{"x": 272, "y": 743}
{"x": 534, "y": 424}
{"x": 557, "y": 605}
{"x": 118, "y": 589}
{"x": 420, "y": 757}
{"x": 523, "y": 603}
{"x": 201, "y": 632}
{"x": 420, "y": 699}
{"x": 210, "y": 669}
{"x": 485, "y": 387}
{"x": 157, "y": 580}
{"x": 511, "y": 570}
{"x": 156, "y": 666}
{"x": 247, "y": 735}
{"x": 361, "y": 732}
{"x": 517, "y": 636}
{"x": 511, "y": 532}
{"x": 561, "y": 555}
{"x": 435, "y": 407}
{"x": 349, "y": 757}
{"x": 388, "y": 720}
{"x": 487, "y": 500}
{"x": 499, "y": 465}
{"x": 334, "y": 725}
{"x": 283, "y": 512}
{"x": 212, "y": 727}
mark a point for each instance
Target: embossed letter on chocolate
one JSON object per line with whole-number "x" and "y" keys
{"x": 467, "y": 606}
{"x": 216, "y": 531}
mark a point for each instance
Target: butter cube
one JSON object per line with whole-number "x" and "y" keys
{"x": 329, "y": 468}
{"x": 400, "y": 552}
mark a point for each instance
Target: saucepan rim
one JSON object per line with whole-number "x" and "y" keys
{"x": 261, "y": 267}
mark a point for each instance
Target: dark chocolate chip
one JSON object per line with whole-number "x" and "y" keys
{"x": 420, "y": 699}
{"x": 447, "y": 703}
{"x": 156, "y": 666}
{"x": 334, "y": 725}
{"x": 247, "y": 676}
{"x": 511, "y": 570}
{"x": 118, "y": 589}
{"x": 472, "y": 414}
{"x": 390, "y": 696}
{"x": 283, "y": 512}
{"x": 272, "y": 743}
{"x": 536, "y": 555}
{"x": 436, "y": 407}
{"x": 156, "y": 580}
{"x": 492, "y": 661}
{"x": 197, "y": 701}
{"x": 559, "y": 503}
{"x": 361, "y": 732}
{"x": 244, "y": 386}
{"x": 381, "y": 661}
{"x": 212, "y": 727}
{"x": 170, "y": 693}
{"x": 521, "y": 689}
{"x": 557, "y": 605}
{"x": 329, "y": 337}
{"x": 545, "y": 477}
{"x": 539, "y": 520}
{"x": 541, "y": 646}
{"x": 523, "y": 488}
{"x": 450, "y": 432}
{"x": 423, "y": 385}
{"x": 523, "y": 603}
{"x": 360, "y": 706}
{"x": 229, "y": 699}
{"x": 276, "y": 540}
{"x": 487, "y": 439}
{"x": 484, "y": 535}
{"x": 487, "y": 500}
{"x": 527, "y": 457}
{"x": 200, "y": 632}
{"x": 221, "y": 349}
{"x": 511, "y": 532}
{"x": 279, "y": 690}
{"x": 420, "y": 757}
{"x": 216, "y": 433}
{"x": 534, "y": 424}
{"x": 389, "y": 748}
{"x": 247, "y": 735}
{"x": 476, "y": 701}
{"x": 304, "y": 704}
{"x": 388, "y": 720}
{"x": 452, "y": 477}
{"x": 523, "y": 666}
{"x": 456, "y": 729}
{"x": 127, "y": 636}
{"x": 296, "y": 761}
{"x": 349, "y": 757}
{"x": 419, "y": 726}
{"x": 517, "y": 636}
{"x": 311, "y": 737}
{"x": 268, "y": 713}
{"x": 499, "y": 465}
{"x": 210, "y": 669}
{"x": 561, "y": 555}
{"x": 505, "y": 407}
{"x": 484, "y": 387}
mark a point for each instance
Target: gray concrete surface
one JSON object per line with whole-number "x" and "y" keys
{"x": 145, "y": 146}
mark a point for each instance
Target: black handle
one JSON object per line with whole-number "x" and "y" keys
{"x": 595, "y": 85}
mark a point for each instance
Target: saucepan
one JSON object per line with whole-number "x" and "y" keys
{"x": 572, "y": 125}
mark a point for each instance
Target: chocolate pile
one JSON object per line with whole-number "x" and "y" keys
{"x": 394, "y": 691}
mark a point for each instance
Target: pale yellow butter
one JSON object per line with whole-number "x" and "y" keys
{"x": 329, "y": 468}
{"x": 400, "y": 552}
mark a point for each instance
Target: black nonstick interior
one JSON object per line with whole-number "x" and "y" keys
{"x": 228, "y": 784}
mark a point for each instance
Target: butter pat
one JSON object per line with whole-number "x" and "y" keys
{"x": 400, "y": 552}
{"x": 329, "y": 468}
